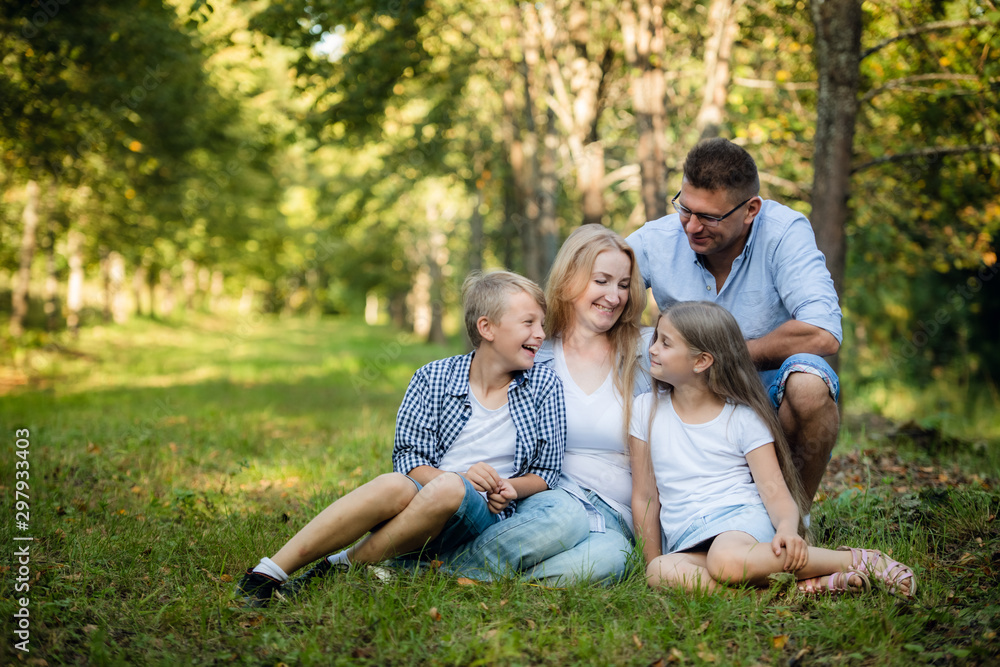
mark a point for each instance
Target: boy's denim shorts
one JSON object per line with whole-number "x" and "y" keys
{"x": 472, "y": 518}
{"x": 774, "y": 380}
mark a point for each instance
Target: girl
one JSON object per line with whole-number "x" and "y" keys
{"x": 712, "y": 474}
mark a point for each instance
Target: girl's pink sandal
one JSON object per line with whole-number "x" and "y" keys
{"x": 838, "y": 582}
{"x": 894, "y": 574}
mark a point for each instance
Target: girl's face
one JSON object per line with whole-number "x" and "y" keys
{"x": 603, "y": 299}
{"x": 670, "y": 358}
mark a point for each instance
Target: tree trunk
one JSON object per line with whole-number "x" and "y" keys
{"x": 838, "y": 55}
{"x": 106, "y": 287}
{"x": 19, "y": 298}
{"x": 476, "y": 219}
{"x": 189, "y": 282}
{"x": 526, "y": 172}
{"x": 74, "y": 288}
{"x": 645, "y": 44}
{"x": 116, "y": 295}
{"x": 548, "y": 187}
{"x": 722, "y": 30}
{"x": 138, "y": 286}
{"x": 51, "y": 279}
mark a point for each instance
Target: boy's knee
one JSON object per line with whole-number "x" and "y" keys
{"x": 397, "y": 489}
{"x": 444, "y": 493}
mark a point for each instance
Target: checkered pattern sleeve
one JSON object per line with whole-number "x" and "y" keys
{"x": 416, "y": 441}
{"x": 549, "y": 446}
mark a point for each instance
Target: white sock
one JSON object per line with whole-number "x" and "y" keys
{"x": 269, "y": 568}
{"x": 339, "y": 558}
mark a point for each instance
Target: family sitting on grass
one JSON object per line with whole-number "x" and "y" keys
{"x": 552, "y": 454}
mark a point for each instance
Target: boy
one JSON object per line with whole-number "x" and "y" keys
{"x": 474, "y": 433}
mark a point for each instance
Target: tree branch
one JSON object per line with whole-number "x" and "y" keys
{"x": 904, "y": 81}
{"x": 764, "y": 83}
{"x": 927, "y": 27}
{"x": 928, "y": 152}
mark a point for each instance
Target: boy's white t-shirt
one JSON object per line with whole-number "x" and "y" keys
{"x": 595, "y": 450}
{"x": 489, "y": 436}
{"x": 699, "y": 468}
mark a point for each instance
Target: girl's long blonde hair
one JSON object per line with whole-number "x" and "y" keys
{"x": 708, "y": 327}
{"x": 571, "y": 270}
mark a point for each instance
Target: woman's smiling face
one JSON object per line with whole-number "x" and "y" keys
{"x": 603, "y": 299}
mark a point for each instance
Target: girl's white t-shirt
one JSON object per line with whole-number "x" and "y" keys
{"x": 699, "y": 468}
{"x": 489, "y": 436}
{"x": 595, "y": 450}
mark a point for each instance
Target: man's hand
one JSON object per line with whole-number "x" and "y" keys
{"x": 499, "y": 501}
{"x": 484, "y": 478}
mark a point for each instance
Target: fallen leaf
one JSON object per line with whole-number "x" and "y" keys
{"x": 489, "y": 634}
{"x": 434, "y": 613}
{"x": 435, "y": 564}
{"x": 227, "y": 578}
{"x": 484, "y": 607}
{"x": 465, "y": 581}
{"x": 531, "y": 624}
{"x": 637, "y": 641}
{"x": 658, "y": 663}
{"x": 676, "y": 655}
{"x": 89, "y": 628}
{"x": 704, "y": 626}
{"x": 503, "y": 602}
{"x": 251, "y": 622}
{"x": 779, "y": 641}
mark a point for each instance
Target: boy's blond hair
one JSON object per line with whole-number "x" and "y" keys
{"x": 487, "y": 295}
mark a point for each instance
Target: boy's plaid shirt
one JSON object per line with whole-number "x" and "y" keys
{"x": 436, "y": 408}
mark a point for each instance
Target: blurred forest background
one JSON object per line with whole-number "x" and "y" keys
{"x": 359, "y": 157}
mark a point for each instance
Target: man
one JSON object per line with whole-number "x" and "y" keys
{"x": 759, "y": 260}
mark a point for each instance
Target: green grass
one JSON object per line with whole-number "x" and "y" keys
{"x": 166, "y": 458}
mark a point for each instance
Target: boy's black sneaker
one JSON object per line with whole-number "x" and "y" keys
{"x": 255, "y": 589}
{"x": 321, "y": 569}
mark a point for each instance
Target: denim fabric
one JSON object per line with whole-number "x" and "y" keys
{"x": 750, "y": 519}
{"x": 472, "y": 518}
{"x": 544, "y": 524}
{"x": 601, "y": 557}
{"x": 774, "y": 380}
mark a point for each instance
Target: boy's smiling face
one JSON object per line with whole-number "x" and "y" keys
{"x": 517, "y": 336}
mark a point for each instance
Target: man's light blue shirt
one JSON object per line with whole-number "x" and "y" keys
{"x": 780, "y": 275}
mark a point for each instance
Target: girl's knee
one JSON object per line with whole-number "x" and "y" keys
{"x": 724, "y": 567}
{"x": 658, "y": 574}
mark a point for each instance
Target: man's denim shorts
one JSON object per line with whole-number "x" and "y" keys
{"x": 774, "y": 380}
{"x": 472, "y": 518}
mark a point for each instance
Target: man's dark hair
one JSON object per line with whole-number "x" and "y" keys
{"x": 719, "y": 164}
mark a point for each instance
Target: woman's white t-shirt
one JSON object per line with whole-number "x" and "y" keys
{"x": 595, "y": 451}
{"x": 699, "y": 468}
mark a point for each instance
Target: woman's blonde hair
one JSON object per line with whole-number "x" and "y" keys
{"x": 708, "y": 327}
{"x": 571, "y": 271}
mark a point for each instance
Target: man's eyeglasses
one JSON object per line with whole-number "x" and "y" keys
{"x": 707, "y": 220}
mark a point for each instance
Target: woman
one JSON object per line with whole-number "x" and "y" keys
{"x": 596, "y": 298}
{"x": 582, "y": 530}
